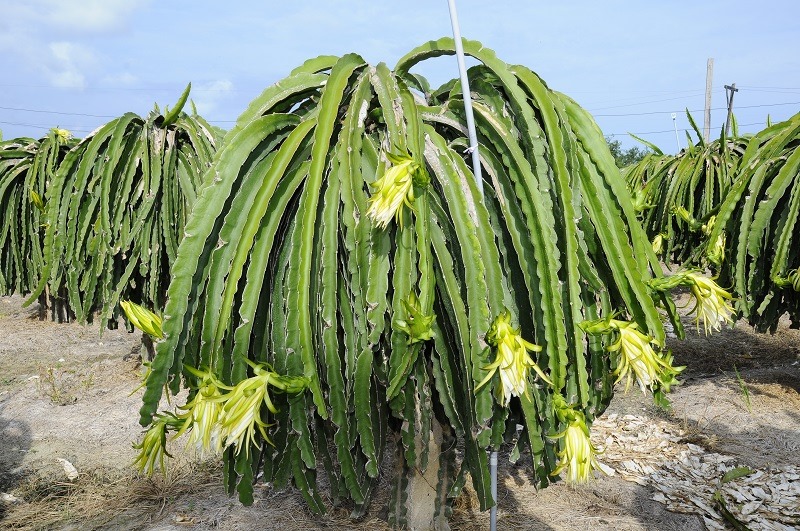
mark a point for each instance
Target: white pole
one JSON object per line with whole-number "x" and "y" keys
{"x": 476, "y": 170}
{"x": 493, "y": 487}
{"x": 462, "y": 69}
{"x": 675, "y": 125}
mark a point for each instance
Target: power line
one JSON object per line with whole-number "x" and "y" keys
{"x": 48, "y": 127}
{"x": 248, "y": 88}
{"x": 615, "y": 91}
{"x": 646, "y": 113}
{"x": 57, "y": 112}
{"x": 695, "y": 93}
{"x": 701, "y": 110}
{"x": 751, "y": 87}
{"x": 130, "y": 89}
{"x": 82, "y": 114}
{"x": 671, "y": 130}
{"x": 773, "y": 91}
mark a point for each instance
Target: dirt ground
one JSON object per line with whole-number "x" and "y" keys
{"x": 731, "y": 445}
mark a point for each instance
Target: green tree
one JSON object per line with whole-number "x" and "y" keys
{"x": 625, "y": 157}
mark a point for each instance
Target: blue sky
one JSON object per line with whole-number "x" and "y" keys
{"x": 79, "y": 63}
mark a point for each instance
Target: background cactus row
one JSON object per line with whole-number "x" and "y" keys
{"x": 759, "y": 221}
{"x": 678, "y": 196}
{"x": 730, "y": 206}
{"x": 92, "y": 222}
{"x": 26, "y": 168}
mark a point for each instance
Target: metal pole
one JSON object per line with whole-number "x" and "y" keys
{"x": 493, "y": 475}
{"x": 462, "y": 69}
{"x": 675, "y": 125}
{"x": 476, "y": 171}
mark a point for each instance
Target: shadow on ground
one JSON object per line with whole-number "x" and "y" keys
{"x": 15, "y": 441}
{"x": 607, "y": 503}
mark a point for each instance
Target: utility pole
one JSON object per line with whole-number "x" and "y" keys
{"x": 729, "y": 92}
{"x": 707, "y": 116}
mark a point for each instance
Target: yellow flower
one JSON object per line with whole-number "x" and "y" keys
{"x": 217, "y": 420}
{"x": 710, "y": 302}
{"x": 203, "y": 414}
{"x": 143, "y": 319}
{"x": 512, "y": 360}
{"x": 658, "y": 243}
{"x": 241, "y": 412}
{"x": 62, "y": 134}
{"x": 395, "y": 189}
{"x": 637, "y": 357}
{"x": 577, "y": 456}
{"x": 153, "y": 447}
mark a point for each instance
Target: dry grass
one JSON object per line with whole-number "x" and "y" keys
{"x": 98, "y": 497}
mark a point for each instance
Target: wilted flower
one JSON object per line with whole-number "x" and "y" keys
{"x": 143, "y": 319}
{"x": 681, "y": 212}
{"x": 708, "y": 226}
{"x": 241, "y": 412}
{"x": 395, "y": 189}
{"x": 203, "y": 413}
{"x": 710, "y": 302}
{"x": 416, "y": 325}
{"x": 577, "y": 456}
{"x": 512, "y": 360}
{"x": 153, "y": 447}
{"x": 637, "y": 357}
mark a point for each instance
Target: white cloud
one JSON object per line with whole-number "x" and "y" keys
{"x": 88, "y": 16}
{"x": 121, "y": 79}
{"x": 69, "y": 79}
{"x": 48, "y": 36}
{"x": 66, "y": 64}
{"x": 206, "y": 96}
{"x": 222, "y": 86}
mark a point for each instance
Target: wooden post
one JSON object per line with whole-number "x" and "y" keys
{"x": 729, "y": 91}
{"x": 707, "y": 115}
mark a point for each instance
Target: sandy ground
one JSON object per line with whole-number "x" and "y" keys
{"x": 65, "y": 395}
